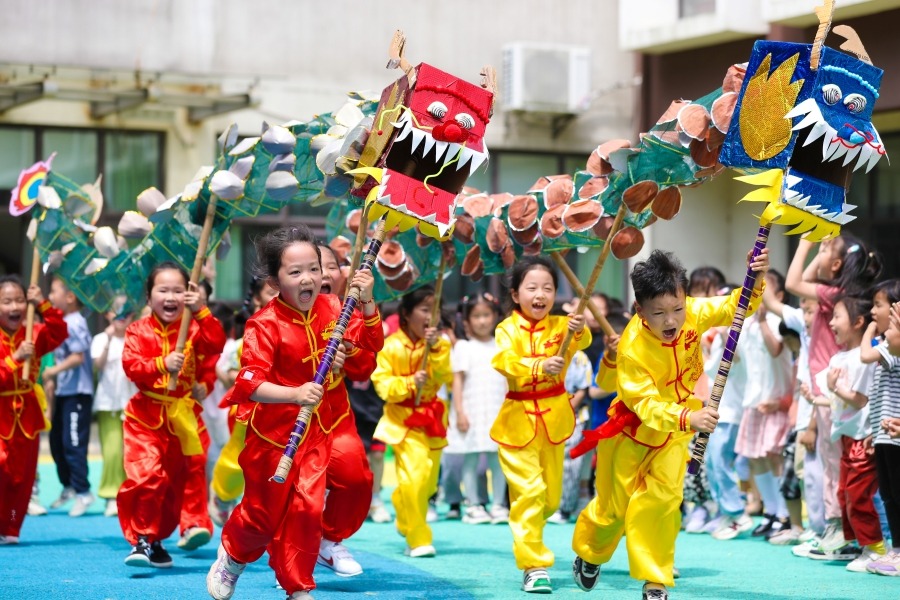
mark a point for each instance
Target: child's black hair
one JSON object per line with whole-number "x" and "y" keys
{"x": 412, "y": 300}
{"x": 786, "y": 331}
{"x": 207, "y": 287}
{"x": 465, "y": 307}
{"x": 888, "y": 287}
{"x": 270, "y": 247}
{"x": 166, "y": 265}
{"x": 860, "y": 266}
{"x": 710, "y": 279}
{"x": 660, "y": 275}
{"x": 857, "y": 306}
{"x": 618, "y": 321}
{"x": 225, "y": 315}
{"x": 521, "y": 269}
{"x": 12, "y": 279}
{"x": 777, "y": 278}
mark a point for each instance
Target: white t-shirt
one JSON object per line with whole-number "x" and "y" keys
{"x": 731, "y": 404}
{"x": 793, "y": 319}
{"x": 845, "y": 419}
{"x": 484, "y": 391}
{"x": 769, "y": 378}
{"x": 114, "y": 389}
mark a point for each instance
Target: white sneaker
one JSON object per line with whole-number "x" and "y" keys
{"x": 420, "y": 551}
{"x": 336, "y": 557}
{"x": 112, "y": 508}
{"x": 35, "y": 509}
{"x": 193, "y": 538}
{"x": 82, "y": 503}
{"x": 476, "y": 515}
{"x": 714, "y": 524}
{"x": 833, "y": 538}
{"x": 786, "y": 537}
{"x": 537, "y": 581}
{"x": 432, "y": 516}
{"x": 858, "y": 565}
{"x": 805, "y": 548}
{"x": 558, "y": 518}
{"x": 696, "y": 520}
{"x": 223, "y": 576}
{"x": 301, "y": 595}
{"x": 8, "y": 540}
{"x": 379, "y": 514}
{"x": 499, "y": 514}
{"x": 219, "y": 510}
{"x": 807, "y": 535}
{"x": 731, "y": 527}
{"x": 67, "y": 494}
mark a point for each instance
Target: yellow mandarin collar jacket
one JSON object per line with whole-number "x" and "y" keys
{"x": 522, "y": 347}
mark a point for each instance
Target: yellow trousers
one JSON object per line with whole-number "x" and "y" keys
{"x": 228, "y": 478}
{"x": 639, "y": 494}
{"x": 417, "y": 466}
{"x": 534, "y": 476}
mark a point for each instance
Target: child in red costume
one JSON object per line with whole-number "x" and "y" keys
{"x": 22, "y": 410}
{"x": 163, "y": 428}
{"x": 348, "y": 478}
{"x": 283, "y": 344}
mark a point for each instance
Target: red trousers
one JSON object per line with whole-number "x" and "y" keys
{"x": 150, "y": 500}
{"x": 856, "y": 491}
{"x": 349, "y": 483}
{"x": 18, "y": 465}
{"x": 283, "y": 518}
{"x": 194, "y": 509}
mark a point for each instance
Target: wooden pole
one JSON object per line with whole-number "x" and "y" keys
{"x": 579, "y": 289}
{"x": 202, "y": 245}
{"x": 358, "y": 246}
{"x": 29, "y": 312}
{"x": 595, "y": 275}
{"x": 435, "y": 315}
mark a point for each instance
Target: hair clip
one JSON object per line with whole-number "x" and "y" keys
{"x": 852, "y": 248}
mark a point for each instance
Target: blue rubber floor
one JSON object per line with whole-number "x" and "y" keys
{"x": 62, "y": 557}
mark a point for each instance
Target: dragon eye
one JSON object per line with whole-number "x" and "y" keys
{"x": 855, "y": 103}
{"x": 437, "y": 109}
{"x": 831, "y": 94}
{"x": 465, "y": 120}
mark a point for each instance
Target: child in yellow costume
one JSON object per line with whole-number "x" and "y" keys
{"x": 642, "y": 455}
{"x": 417, "y": 433}
{"x": 536, "y": 418}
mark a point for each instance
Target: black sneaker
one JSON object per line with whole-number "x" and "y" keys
{"x": 140, "y": 555}
{"x": 586, "y": 574}
{"x": 159, "y": 558}
{"x": 765, "y": 526}
{"x": 778, "y": 526}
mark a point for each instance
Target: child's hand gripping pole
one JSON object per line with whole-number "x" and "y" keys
{"x": 29, "y": 312}
{"x": 762, "y": 237}
{"x": 337, "y": 336}
{"x": 202, "y": 245}
{"x": 595, "y": 275}
{"x": 435, "y": 318}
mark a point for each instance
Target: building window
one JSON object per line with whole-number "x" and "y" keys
{"x": 130, "y": 162}
{"x": 693, "y": 8}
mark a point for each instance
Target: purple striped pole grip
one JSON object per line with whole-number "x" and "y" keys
{"x": 305, "y": 414}
{"x": 762, "y": 237}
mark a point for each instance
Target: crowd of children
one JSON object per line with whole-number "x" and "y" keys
{"x": 533, "y": 418}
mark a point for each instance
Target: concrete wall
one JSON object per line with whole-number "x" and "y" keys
{"x": 302, "y": 57}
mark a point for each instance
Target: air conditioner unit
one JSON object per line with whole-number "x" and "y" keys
{"x": 546, "y": 78}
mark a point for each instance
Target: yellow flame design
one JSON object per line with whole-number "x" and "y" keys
{"x": 764, "y": 130}
{"x": 777, "y": 212}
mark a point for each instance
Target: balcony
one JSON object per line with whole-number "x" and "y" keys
{"x": 800, "y": 13}
{"x": 663, "y": 26}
